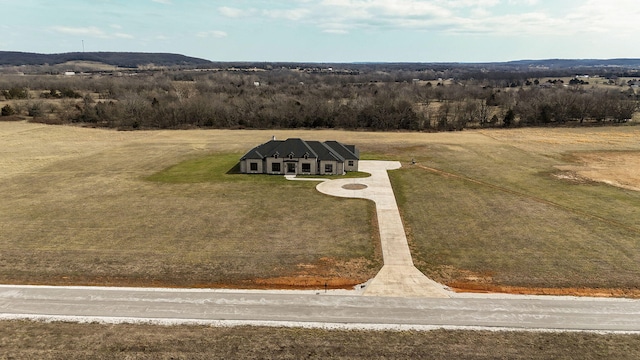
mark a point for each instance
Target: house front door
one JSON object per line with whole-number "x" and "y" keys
{"x": 291, "y": 168}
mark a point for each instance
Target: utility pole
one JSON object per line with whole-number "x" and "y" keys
{"x": 83, "y": 46}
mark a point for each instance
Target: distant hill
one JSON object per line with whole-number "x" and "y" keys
{"x": 576, "y": 63}
{"x": 92, "y": 61}
{"x": 120, "y": 59}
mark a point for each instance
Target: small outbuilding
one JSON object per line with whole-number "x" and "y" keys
{"x": 296, "y": 156}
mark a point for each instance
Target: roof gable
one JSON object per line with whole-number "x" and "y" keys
{"x": 296, "y": 148}
{"x": 261, "y": 151}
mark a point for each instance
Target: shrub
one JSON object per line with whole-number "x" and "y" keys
{"x": 35, "y": 109}
{"x": 7, "y": 110}
{"x": 16, "y": 93}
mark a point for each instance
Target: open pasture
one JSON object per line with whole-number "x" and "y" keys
{"x": 78, "y": 208}
{"x": 515, "y": 211}
{"x": 494, "y": 210}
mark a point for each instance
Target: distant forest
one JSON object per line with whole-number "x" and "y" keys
{"x": 120, "y": 59}
{"x": 418, "y": 97}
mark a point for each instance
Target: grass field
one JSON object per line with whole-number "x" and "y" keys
{"x": 20, "y": 339}
{"x": 497, "y": 216}
{"x": 502, "y": 210}
{"x": 84, "y": 206}
{"x": 484, "y": 210}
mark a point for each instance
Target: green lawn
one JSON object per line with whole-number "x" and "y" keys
{"x": 212, "y": 168}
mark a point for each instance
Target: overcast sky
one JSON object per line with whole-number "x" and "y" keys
{"x": 329, "y": 30}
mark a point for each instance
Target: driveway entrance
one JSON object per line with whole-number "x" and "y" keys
{"x": 398, "y": 276}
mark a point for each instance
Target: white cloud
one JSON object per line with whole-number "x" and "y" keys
{"x": 470, "y": 3}
{"x": 233, "y": 12}
{"x": 123, "y": 36}
{"x": 292, "y": 14}
{"x": 503, "y": 17}
{"x": 335, "y": 31}
{"x": 387, "y": 8}
{"x": 87, "y": 31}
{"x": 164, "y": 2}
{"x": 480, "y": 13}
{"x": 213, "y": 34}
{"x": 614, "y": 16}
{"x": 523, "y": 2}
{"x": 90, "y": 31}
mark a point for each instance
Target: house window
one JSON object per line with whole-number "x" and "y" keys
{"x": 306, "y": 167}
{"x": 291, "y": 156}
{"x": 253, "y": 166}
{"x": 328, "y": 168}
{"x": 275, "y": 167}
{"x": 350, "y": 163}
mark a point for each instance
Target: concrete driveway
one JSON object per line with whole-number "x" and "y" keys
{"x": 398, "y": 276}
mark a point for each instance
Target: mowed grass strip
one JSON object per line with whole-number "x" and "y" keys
{"x": 24, "y": 339}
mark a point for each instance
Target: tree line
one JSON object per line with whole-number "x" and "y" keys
{"x": 285, "y": 98}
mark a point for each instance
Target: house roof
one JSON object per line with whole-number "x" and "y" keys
{"x": 262, "y": 151}
{"x": 298, "y": 148}
{"x": 348, "y": 152}
{"x": 325, "y": 152}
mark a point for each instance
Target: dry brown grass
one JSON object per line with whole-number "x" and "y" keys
{"x": 498, "y": 217}
{"x": 77, "y": 210}
{"x": 620, "y": 168}
{"x": 31, "y": 340}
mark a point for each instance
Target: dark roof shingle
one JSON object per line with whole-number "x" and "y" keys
{"x": 298, "y": 148}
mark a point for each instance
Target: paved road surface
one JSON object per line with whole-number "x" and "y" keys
{"x": 317, "y": 310}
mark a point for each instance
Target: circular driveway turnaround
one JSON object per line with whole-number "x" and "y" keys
{"x": 398, "y": 276}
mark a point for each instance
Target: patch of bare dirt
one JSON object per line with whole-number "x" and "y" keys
{"x": 616, "y": 168}
{"x": 465, "y": 281}
{"x": 326, "y": 273}
{"x": 304, "y": 282}
{"x": 474, "y": 287}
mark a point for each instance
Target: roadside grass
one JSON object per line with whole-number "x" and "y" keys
{"x": 58, "y": 340}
